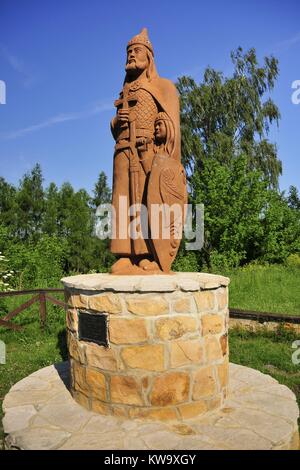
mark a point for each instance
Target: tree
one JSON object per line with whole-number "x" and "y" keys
{"x": 102, "y": 193}
{"x": 50, "y": 225}
{"x": 48, "y": 233}
{"x": 293, "y": 198}
{"x": 281, "y": 229}
{"x": 8, "y": 206}
{"x": 75, "y": 225}
{"x": 102, "y": 257}
{"x": 231, "y": 165}
{"x": 30, "y": 205}
{"x": 224, "y": 118}
{"x": 233, "y": 198}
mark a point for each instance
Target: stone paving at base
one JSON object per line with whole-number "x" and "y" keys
{"x": 41, "y": 414}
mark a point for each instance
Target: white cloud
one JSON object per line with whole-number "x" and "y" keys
{"x": 59, "y": 118}
{"x": 18, "y": 66}
{"x": 286, "y": 44}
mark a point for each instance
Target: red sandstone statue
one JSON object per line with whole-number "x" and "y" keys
{"x": 147, "y": 169}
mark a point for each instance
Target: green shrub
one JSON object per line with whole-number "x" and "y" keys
{"x": 38, "y": 264}
{"x": 186, "y": 262}
{"x": 293, "y": 261}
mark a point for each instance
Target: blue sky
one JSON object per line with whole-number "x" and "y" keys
{"x": 63, "y": 65}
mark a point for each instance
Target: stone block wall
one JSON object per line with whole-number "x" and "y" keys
{"x": 168, "y": 345}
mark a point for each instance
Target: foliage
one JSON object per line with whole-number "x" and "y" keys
{"x": 6, "y": 274}
{"x": 294, "y": 199}
{"x": 186, "y": 261}
{"x": 7, "y": 206}
{"x": 30, "y": 205}
{"x": 47, "y": 233}
{"x": 293, "y": 260}
{"x": 233, "y": 168}
{"x": 101, "y": 192}
{"x": 224, "y": 118}
{"x": 38, "y": 264}
{"x": 233, "y": 199}
{"x": 280, "y": 236}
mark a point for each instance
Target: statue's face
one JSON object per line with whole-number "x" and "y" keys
{"x": 160, "y": 131}
{"x": 137, "y": 58}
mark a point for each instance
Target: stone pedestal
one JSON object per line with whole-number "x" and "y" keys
{"x": 166, "y": 355}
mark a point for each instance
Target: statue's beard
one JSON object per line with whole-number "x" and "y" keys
{"x": 136, "y": 67}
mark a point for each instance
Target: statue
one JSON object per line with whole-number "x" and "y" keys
{"x": 147, "y": 170}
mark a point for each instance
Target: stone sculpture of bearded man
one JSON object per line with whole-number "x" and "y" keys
{"x": 147, "y": 170}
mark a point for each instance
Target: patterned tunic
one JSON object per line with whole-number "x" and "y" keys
{"x": 145, "y": 109}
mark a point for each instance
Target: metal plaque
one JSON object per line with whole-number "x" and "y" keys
{"x": 93, "y": 327}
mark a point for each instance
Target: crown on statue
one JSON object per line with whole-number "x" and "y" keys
{"x": 143, "y": 39}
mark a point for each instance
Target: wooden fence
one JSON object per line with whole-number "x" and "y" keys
{"x": 42, "y": 296}
{"x": 264, "y": 317}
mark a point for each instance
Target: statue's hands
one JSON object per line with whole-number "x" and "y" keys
{"x": 123, "y": 116}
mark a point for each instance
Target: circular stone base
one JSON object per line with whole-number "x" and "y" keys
{"x": 259, "y": 413}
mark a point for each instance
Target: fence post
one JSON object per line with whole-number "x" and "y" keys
{"x": 43, "y": 309}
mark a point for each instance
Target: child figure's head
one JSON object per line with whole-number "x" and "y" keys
{"x": 164, "y": 133}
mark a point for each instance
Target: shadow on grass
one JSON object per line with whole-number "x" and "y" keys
{"x": 63, "y": 368}
{"x": 62, "y": 344}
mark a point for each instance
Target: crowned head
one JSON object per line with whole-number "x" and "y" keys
{"x": 140, "y": 56}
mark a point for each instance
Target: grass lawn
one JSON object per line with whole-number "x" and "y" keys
{"x": 265, "y": 289}
{"x": 269, "y": 352}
